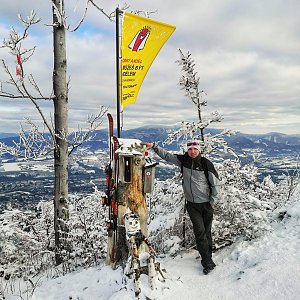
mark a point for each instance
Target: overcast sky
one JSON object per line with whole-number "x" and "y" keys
{"x": 247, "y": 54}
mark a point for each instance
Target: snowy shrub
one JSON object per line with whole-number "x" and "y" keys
{"x": 244, "y": 204}
{"x": 87, "y": 236}
{"x": 22, "y": 244}
{"x": 88, "y": 233}
{"x": 244, "y": 210}
{"x": 166, "y": 216}
{"x": 288, "y": 187}
{"x": 27, "y": 238}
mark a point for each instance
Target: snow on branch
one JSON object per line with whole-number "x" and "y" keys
{"x": 24, "y": 85}
{"x": 82, "y": 136}
{"x": 189, "y": 81}
{"x": 110, "y": 16}
{"x": 14, "y": 37}
{"x": 59, "y": 12}
{"x": 143, "y": 13}
{"x": 33, "y": 143}
{"x": 192, "y": 130}
{"x": 31, "y": 19}
{"x": 19, "y": 80}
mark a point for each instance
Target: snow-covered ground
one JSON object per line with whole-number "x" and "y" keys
{"x": 266, "y": 268}
{"x": 9, "y": 167}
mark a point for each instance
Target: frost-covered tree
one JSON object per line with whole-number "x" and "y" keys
{"x": 292, "y": 180}
{"x": 24, "y": 86}
{"x": 189, "y": 82}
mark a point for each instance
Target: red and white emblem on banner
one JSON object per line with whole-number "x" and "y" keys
{"x": 140, "y": 39}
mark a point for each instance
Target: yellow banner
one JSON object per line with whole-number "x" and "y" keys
{"x": 142, "y": 39}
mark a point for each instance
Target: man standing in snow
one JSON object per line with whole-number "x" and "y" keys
{"x": 200, "y": 186}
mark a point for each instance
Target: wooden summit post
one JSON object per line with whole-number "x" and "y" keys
{"x": 129, "y": 169}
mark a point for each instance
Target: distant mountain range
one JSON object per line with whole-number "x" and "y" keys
{"x": 7, "y": 135}
{"x": 270, "y": 143}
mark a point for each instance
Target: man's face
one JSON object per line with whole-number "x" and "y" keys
{"x": 193, "y": 152}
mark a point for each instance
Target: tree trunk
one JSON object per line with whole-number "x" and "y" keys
{"x": 61, "y": 213}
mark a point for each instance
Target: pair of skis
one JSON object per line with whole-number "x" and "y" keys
{"x": 110, "y": 198}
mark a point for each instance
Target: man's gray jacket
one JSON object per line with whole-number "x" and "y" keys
{"x": 196, "y": 187}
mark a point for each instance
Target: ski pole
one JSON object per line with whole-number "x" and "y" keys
{"x": 183, "y": 224}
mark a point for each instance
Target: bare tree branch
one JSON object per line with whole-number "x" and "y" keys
{"x": 12, "y": 82}
{"x": 14, "y": 43}
{"x": 109, "y": 16}
{"x": 83, "y": 136}
{"x": 33, "y": 143}
{"x": 82, "y": 18}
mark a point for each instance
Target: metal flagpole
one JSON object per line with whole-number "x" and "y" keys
{"x": 118, "y": 72}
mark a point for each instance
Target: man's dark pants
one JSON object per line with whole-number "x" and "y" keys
{"x": 201, "y": 215}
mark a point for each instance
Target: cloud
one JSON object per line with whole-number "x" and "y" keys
{"x": 246, "y": 54}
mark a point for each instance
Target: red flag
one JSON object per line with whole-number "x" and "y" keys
{"x": 19, "y": 65}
